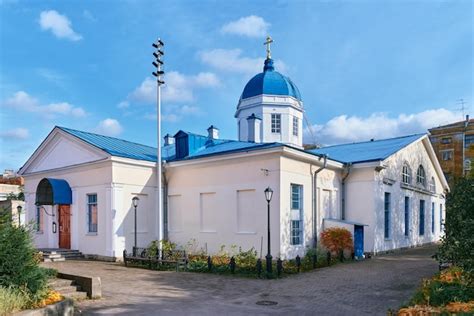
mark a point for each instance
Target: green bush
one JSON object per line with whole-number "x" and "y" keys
{"x": 19, "y": 267}
{"x": 458, "y": 243}
{"x": 12, "y": 300}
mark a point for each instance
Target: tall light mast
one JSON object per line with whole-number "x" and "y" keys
{"x": 158, "y": 73}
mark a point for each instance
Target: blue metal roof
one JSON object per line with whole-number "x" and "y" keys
{"x": 366, "y": 151}
{"x": 197, "y": 146}
{"x": 122, "y": 148}
{"x": 270, "y": 82}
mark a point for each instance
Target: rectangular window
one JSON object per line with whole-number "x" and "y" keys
{"x": 296, "y": 224}
{"x": 276, "y": 123}
{"x": 407, "y": 215}
{"x": 468, "y": 141}
{"x": 446, "y": 140}
{"x": 432, "y": 217}
{"x": 447, "y": 154}
{"x": 387, "y": 215}
{"x": 295, "y": 126}
{"x": 39, "y": 220}
{"x": 441, "y": 217}
{"x": 422, "y": 218}
{"x": 92, "y": 213}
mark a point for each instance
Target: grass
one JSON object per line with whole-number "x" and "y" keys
{"x": 12, "y": 300}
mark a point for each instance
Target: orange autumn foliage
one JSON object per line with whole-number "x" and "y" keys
{"x": 337, "y": 239}
{"x": 53, "y": 297}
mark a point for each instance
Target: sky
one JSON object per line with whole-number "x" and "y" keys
{"x": 365, "y": 69}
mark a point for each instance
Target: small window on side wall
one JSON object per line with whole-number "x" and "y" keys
{"x": 421, "y": 176}
{"x": 92, "y": 215}
{"x": 406, "y": 174}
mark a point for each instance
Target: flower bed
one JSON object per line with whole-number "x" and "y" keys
{"x": 447, "y": 292}
{"x": 235, "y": 261}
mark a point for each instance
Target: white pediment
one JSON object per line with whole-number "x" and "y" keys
{"x": 61, "y": 150}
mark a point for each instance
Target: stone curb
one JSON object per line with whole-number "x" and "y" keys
{"x": 65, "y": 307}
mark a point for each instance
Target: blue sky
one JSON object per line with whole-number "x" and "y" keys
{"x": 365, "y": 69}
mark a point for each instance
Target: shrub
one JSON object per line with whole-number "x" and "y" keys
{"x": 458, "y": 242}
{"x": 337, "y": 239}
{"x": 448, "y": 286}
{"x": 19, "y": 267}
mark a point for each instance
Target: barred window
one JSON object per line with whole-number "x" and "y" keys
{"x": 276, "y": 123}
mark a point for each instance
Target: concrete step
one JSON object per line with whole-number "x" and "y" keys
{"x": 77, "y": 295}
{"x": 60, "y": 282}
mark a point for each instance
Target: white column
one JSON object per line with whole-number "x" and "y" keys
{"x": 114, "y": 206}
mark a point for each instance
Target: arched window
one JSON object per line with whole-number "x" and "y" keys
{"x": 420, "y": 176}
{"x": 432, "y": 185}
{"x": 406, "y": 174}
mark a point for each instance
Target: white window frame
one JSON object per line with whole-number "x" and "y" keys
{"x": 296, "y": 226}
{"x": 406, "y": 174}
{"x": 276, "y": 123}
{"x": 447, "y": 155}
{"x": 295, "y": 126}
{"x": 421, "y": 176}
{"x": 89, "y": 216}
{"x": 432, "y": 185}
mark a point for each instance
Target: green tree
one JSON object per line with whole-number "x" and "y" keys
{"x": 458, "y": 243}
{"x": 19, "y": 267}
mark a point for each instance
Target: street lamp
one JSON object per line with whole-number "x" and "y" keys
{"x": 268, "y": 197}
{"x": 135, "y": 204}
{"x": 19, "y": 208}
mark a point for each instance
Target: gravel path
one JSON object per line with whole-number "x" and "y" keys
{"x": 368, "y": 287}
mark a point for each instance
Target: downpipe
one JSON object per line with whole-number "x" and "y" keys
{"x": 314, "y": 179}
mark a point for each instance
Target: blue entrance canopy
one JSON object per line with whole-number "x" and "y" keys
{"x": 53, "y": 191}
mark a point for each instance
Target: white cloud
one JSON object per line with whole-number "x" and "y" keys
{"x": 123, "y": 105}
{"x": 24, "y": 102}
{"x": 343, "y": 128}
{"x": 178, "y": 88}
{"x": 251, "y": 26}
{"x": 230, "y": 60}
{"x": 109, "y": 127}
{"x": 15, "y": 134}
{"x": 59, "y": 24}
{"x": 176, "y": 113}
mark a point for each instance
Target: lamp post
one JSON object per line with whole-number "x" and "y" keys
{"x": 19, "y": 208}
{"x": 135, "y": 204}
{"x": 268, "y": 197}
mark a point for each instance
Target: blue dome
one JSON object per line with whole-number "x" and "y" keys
{"x": 270, "y": 82}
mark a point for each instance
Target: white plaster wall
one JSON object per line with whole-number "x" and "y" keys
{"x": 224, "y": 179}
{"x": 298, "y": 172}
{"x": 414, "y": 154}
{"x": 263, "y": 107}
{"x": 83, "y": 180}
{"x": 130, "y": 181}
{"x": 365, "y": 201}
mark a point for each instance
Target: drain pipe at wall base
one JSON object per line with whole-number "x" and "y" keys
{"x": 347, "y": 170}
{"x": 314, "y": 177}
{"x": 165, "y": 202}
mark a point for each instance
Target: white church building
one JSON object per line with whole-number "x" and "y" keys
{"x": 389, "y": 193}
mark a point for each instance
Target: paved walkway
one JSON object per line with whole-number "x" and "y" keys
{"x": 368, "y": 287}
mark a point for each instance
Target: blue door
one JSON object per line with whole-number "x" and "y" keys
{"x": 359, "y": 241}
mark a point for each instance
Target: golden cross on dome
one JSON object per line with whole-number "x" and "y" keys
{"x": 268, "y": 42}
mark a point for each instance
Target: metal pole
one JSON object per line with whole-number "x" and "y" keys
{"x": 269, "y": 256}
{"x": 135, "y": 244}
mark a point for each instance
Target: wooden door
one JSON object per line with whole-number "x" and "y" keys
{"x": 64, "y": 226}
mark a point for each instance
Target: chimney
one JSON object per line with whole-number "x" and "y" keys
{"x": 467, "y": 117}
{"x": 213, "y": 132}
{"x": 253, "y": 123}
{"x": 169, "y": 140}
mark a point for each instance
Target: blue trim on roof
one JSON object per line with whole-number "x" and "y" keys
{"x": 270, "y": 82}
{"x": 369, "y": 151}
